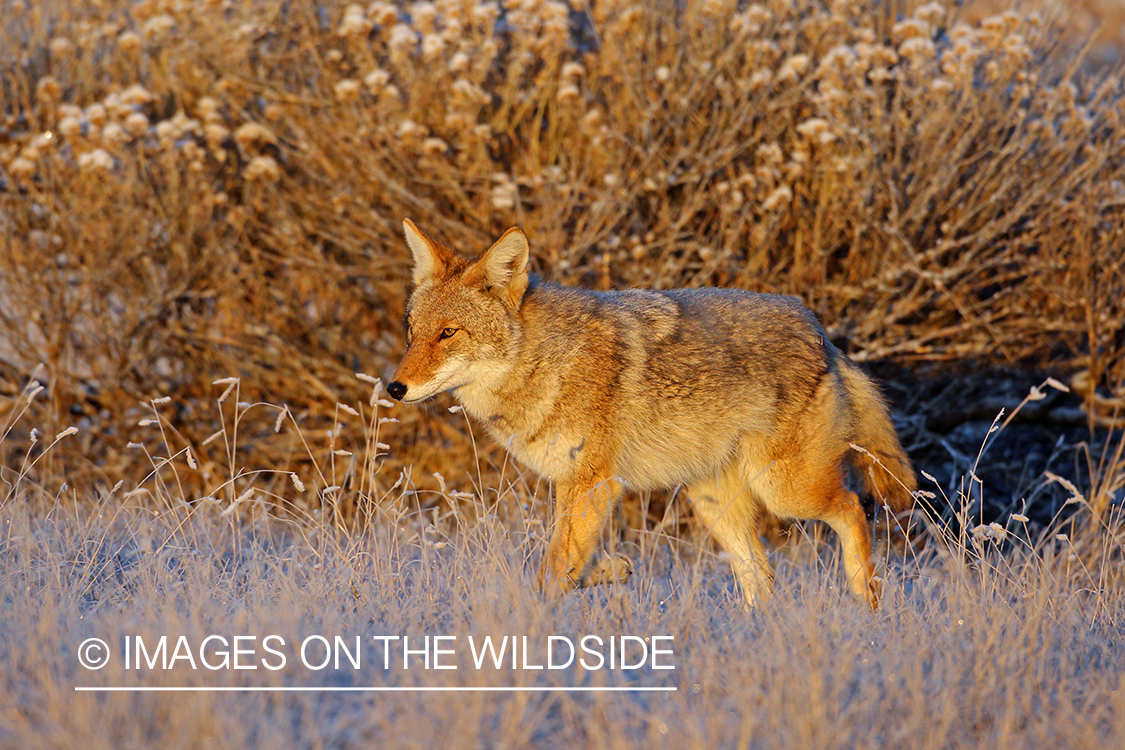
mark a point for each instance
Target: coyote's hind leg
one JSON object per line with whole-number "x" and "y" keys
{"x": 731, "y": 513}
{"x": 850, "y": 524}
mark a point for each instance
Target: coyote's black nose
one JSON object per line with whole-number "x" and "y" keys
{"x": 397, "y": 390}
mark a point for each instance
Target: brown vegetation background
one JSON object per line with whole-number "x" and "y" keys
{"x": 196, "y": 191}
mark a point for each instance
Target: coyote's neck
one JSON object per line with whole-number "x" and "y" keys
{"x": 497, "y": 396}
{"x": 483, "y": 397}
{"x": 515, "y": 405}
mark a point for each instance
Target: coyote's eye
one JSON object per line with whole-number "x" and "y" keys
{"x": 446, "y": 333}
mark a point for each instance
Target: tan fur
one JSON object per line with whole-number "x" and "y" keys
{"x": 739, "y": 396}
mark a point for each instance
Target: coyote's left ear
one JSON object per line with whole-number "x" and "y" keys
{"x": 431, "y": 258}
{"x": 502, "y": 269}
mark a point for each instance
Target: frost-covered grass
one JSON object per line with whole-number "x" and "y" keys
{"x": 988, "y": 634}
{"x": 972, "y": 647}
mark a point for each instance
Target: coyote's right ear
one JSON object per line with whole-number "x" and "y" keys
{"x": 503, "y": 267}
{"x": 430, "y": 257}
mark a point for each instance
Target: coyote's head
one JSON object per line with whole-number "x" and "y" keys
{"x": 461, "y": 319}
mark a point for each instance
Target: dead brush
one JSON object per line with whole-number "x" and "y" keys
{"x": 221, "y": 193}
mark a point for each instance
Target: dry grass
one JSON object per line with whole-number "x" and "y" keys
{"x": 197, "y": 190}
{"x": 1000, "y": 640}
{"x": 988, "y": 634}
{"x": 199, "y": 212}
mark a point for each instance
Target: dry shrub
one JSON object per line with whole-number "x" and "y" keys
{"x": 1099, "y": 23}
{"x": 199, "y": 190}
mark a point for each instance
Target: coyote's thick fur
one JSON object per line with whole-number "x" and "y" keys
{"x": 739, "y": 396}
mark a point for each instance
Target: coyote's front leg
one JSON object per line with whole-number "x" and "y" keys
{"x": 581, "y": 508}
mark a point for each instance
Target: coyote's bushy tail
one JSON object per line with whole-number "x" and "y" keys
{"x": 884, "y": 468}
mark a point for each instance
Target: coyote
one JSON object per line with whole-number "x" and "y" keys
{"x": 739, "y": 396}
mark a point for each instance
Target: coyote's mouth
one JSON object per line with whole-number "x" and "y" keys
{"x": 433, "y": 392}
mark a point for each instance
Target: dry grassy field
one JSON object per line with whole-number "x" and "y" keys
{"x": 200, "y": 250}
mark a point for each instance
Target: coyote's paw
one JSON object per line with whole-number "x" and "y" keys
{"x": 608, "y": 569}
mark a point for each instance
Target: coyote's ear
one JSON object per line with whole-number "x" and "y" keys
{"x": 430, "y": 258}
{"x": 503, "y": 267}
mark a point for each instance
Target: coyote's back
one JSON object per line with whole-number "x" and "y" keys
{"x": 739, "y": 396}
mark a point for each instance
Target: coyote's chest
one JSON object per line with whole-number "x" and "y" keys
{"x": 551, "y": 450}
{"x": 526, "y": 416}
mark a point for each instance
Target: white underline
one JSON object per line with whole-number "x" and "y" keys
{"x": 288, "y": 689}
